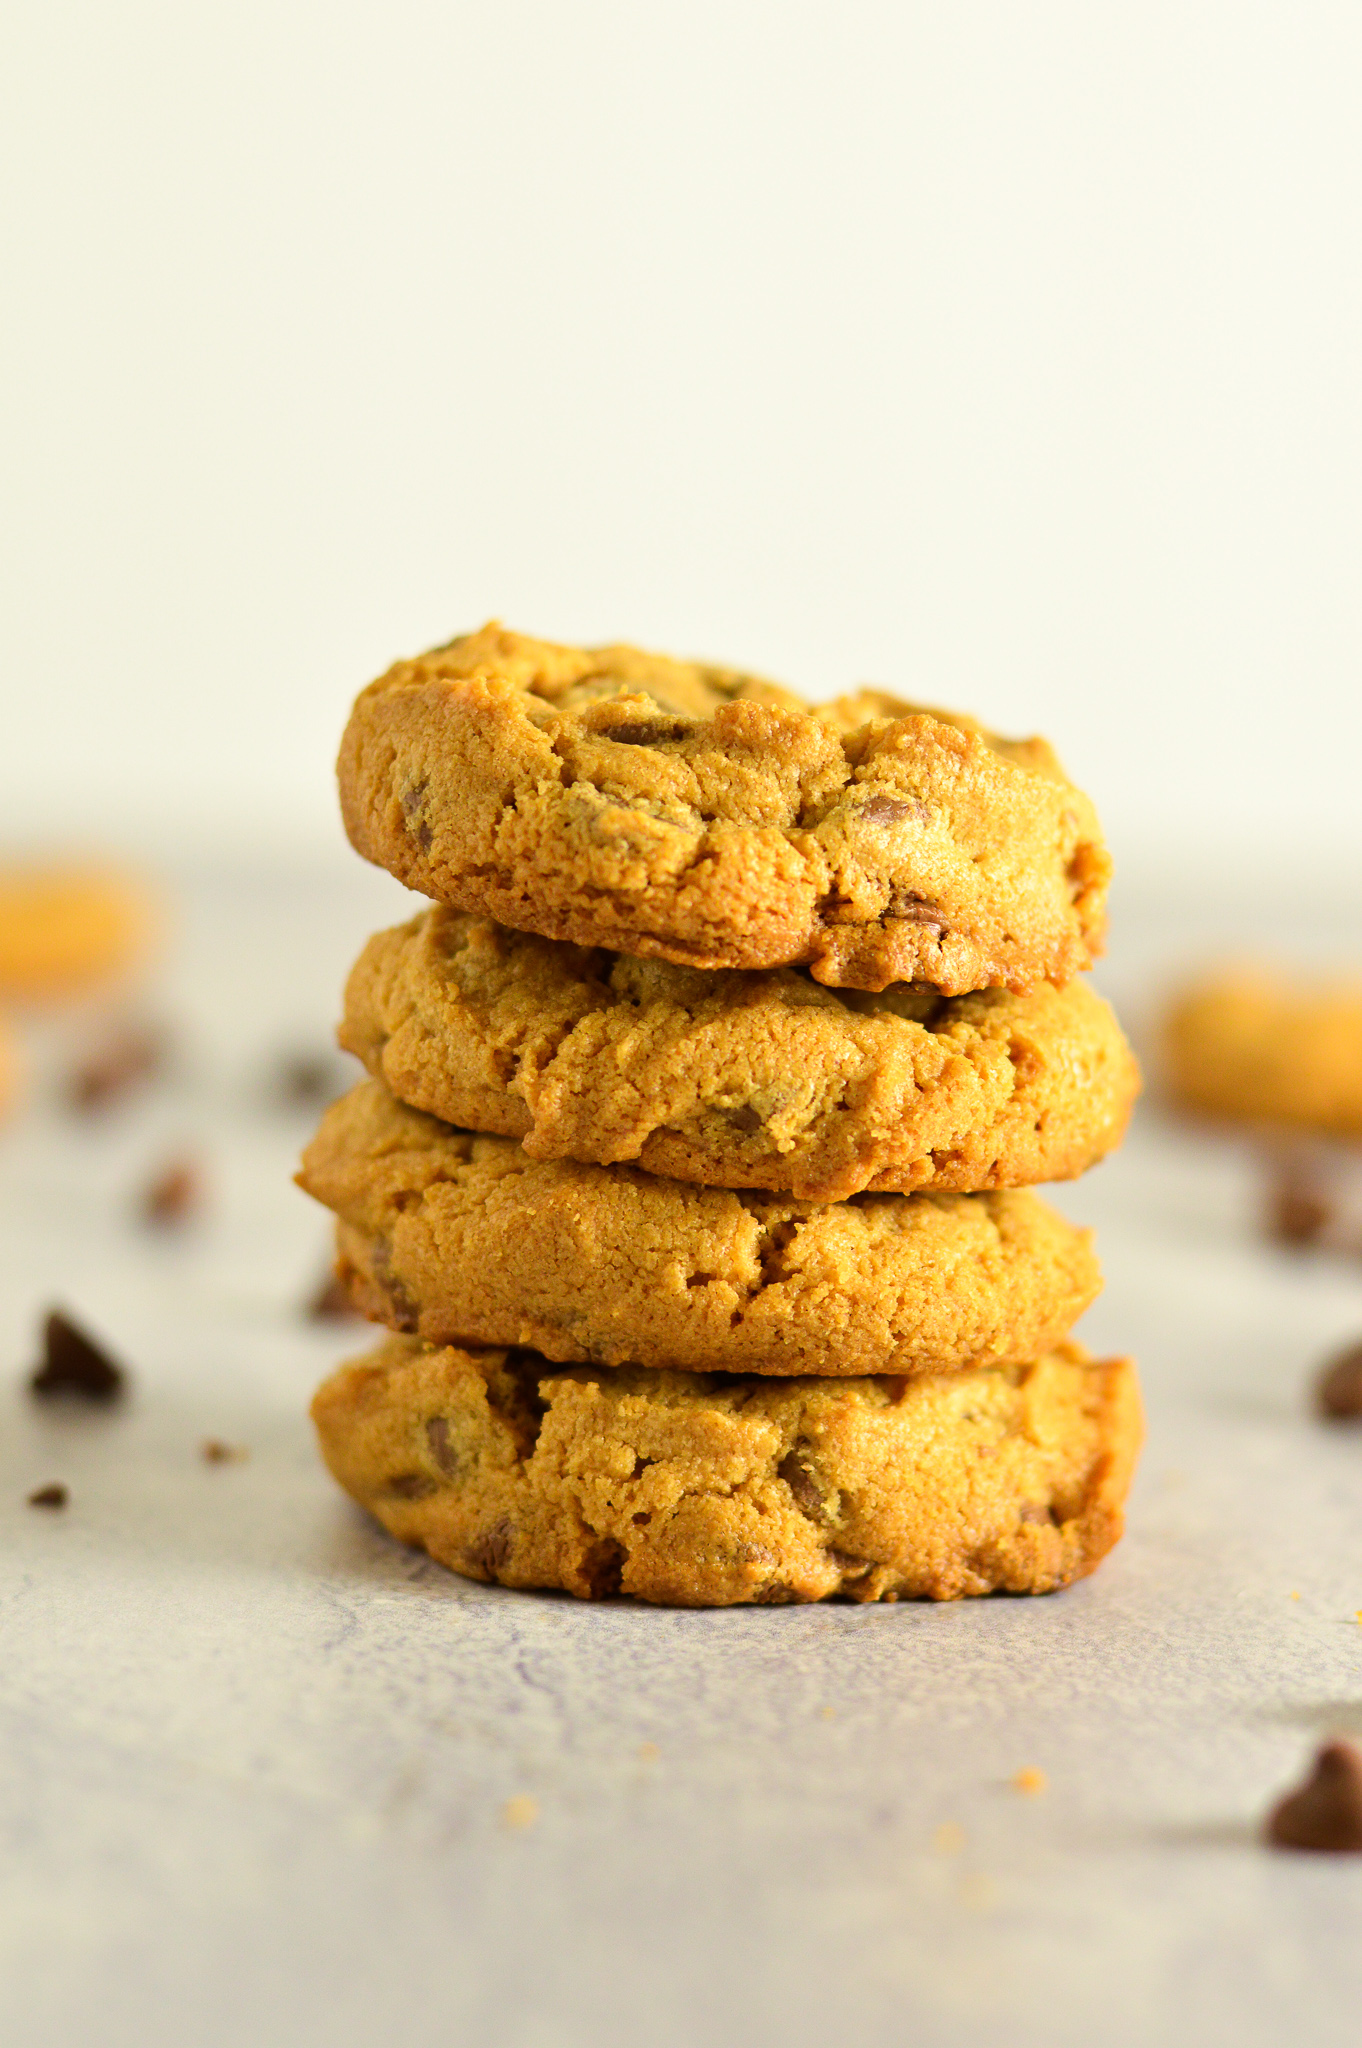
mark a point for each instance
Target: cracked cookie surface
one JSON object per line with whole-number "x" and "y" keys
{"x": 464, "y": 1239}
{"x": 694, "y": 814}
{"x": 708, "y": 1490}
{"x": 756, "y": 1080}
{"x": 1260, "y": 1048}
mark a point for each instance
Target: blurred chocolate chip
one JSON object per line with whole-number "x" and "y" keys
{"x": 1298, "y": 1209}
{"x": 910, "y": 906}
{"x": 73, "y": 1364}
{"x": 214, "y": 1452}
{"x": 331, "y": 1303}
{"x": 174, "y": 1195}
{"x": 1338, "y": 1389}
{"x": 308, "y": 1079}
{"x": 54, "y": 1496}
{"x": 1326, "y": 1811}
{"x": 128, "y": 1057}
{"x": 644, "y": 732}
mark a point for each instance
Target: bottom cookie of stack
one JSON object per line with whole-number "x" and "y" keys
{"x": 716, "y": 1489}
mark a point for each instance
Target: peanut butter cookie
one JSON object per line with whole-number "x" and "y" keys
{"x": 65, "y": 930}
{"x": 1256, "y": 1048}
{"x": 465, "y": 1239}
{"x": 698, "y": 1490}
{"x": 757, "y": 1080}
{"x": 693, "y": 814}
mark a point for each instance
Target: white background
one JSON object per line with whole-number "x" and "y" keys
{"x": 1006, "y": 355}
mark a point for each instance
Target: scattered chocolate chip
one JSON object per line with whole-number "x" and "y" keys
{"x": 72, "y": 1364}
{"x": 888, "y": 810}
{"x": 214, "y": 1452}
{"x": 131, "y": 1055}
{"x": 1338, "y": 1389}
{"x": 309, "y": 1079}
{"x": 1298, "y": 1208}
{"x": 174, "y": 1195}
{"x": 331, "y": 1303}
{"x": 1326, "y": 1811}
{"x": 54, "y": 1496}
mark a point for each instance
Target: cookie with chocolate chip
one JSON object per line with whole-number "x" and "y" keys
{"x": 691, "y": 813}
{"x": 465, "y": 1239}
{"x": 757, "y": 1080}
{"x": 709, "y": 1490}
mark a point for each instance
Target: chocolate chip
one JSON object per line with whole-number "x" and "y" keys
{"x": 131, "y": 1055}
{"x": 409, "y": 1486}
{"x": 72, "y": 1364}
{"x": 1338, "y": 1389}
{"x": 888, "y": 810}
{"x": 644, "y": 732}
{"x": 437, "y": 1436}
{"x": 54, "y": 1496}
{"x": 1298, "y": 1209}
{"x": 799, "y": 1479}
{"x": 308, "y": 1079}
{"x": 214, "y": 1452}
{"x": 331, "y": 1303}
{"x": 911, "y": 907}
{"x": 603, "y": 1568}
{"x": 174, "y": 1195}
{"x": 490, "y": 1551}
{"x": 745, "y": 1119}
{"x": 1326, "y": 1811}
{"x": 412, "y": 799}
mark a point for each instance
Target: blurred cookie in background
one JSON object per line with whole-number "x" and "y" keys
{"x": 69, "y": 930}
{"x": 1257, "y": 1047}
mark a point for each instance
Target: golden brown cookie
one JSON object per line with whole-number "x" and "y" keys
{"x": 706, "y": 1490}
{"x": 465, "y": 1239}
{"x": 687, "y": 813}
{"x": 1258, "y": 1048}
{"x": 759, "y": 1080}
{"x": 65, "y": 930}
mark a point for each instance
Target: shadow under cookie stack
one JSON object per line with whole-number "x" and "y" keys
{"x": 693, "y": 1176}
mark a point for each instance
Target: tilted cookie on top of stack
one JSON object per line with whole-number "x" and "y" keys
{"x": 694, "y": 1167}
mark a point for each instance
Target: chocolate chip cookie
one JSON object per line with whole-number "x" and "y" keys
{"x": 694, "y": 814}
{"x": 1258, "y": 1048}
{"x": 707, "y": 1490}
{"x": 757, "y": 1080}
{"x": 465, "y": 1239}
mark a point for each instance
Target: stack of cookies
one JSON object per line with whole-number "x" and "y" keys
{"x": 694, "y": 1170}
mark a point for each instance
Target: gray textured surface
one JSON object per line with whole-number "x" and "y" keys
{"x": 254, "y": 1758}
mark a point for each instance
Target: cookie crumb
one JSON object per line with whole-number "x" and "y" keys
{"x": 129, "y": 1056}
{"x": 73, "y": 1364}
{"x": 520, "y": 1812}
{"x": 1295, "y": 1596}
{"x": 174, "y": 1195}
{"x": 648, "y": 1752}
{"x": 54, "y": 1496}
{"x": 827, "y": 1713}
{"x": 214, "y": 1452}
{"x": 949, "y": 1839}
{"x": 1338, "y": 1386}
{"x": 1325, "y": 1813}
{"x": 1030, "y": 1781}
